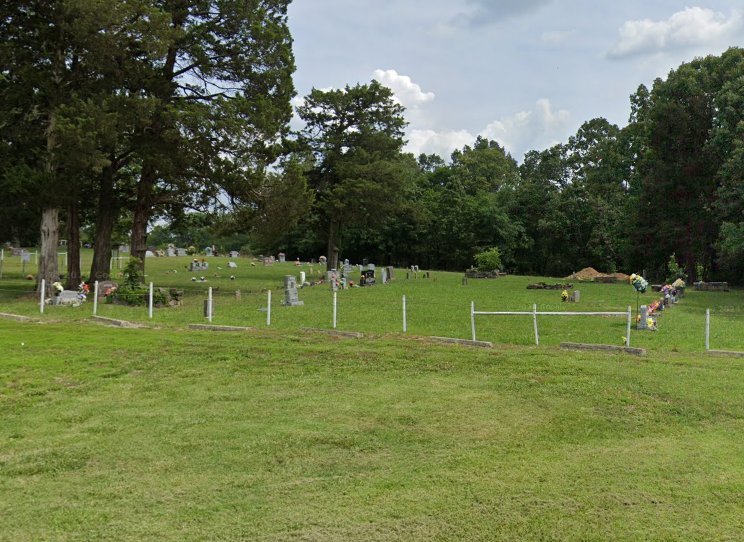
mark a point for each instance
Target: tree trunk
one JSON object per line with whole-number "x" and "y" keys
{"x": 73, "y": 247}
{"x": 106, "y": 216}
{"x": 142, "y": 214}
{"x": 332, "y": 262}
{"x": 48, "y": 251}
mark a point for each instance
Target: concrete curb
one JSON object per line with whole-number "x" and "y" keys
{"x": 727, "y": 353}
{"x": 604, "y": 347}
{"x": 115, "y": 322}
{"x": 335, "y": 333}
{"x": 209, "y": 327}
{"x": 463, "y": 342}
{"x": 17, "y": 317}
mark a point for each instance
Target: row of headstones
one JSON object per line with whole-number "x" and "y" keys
{"x": 643, "y": 322}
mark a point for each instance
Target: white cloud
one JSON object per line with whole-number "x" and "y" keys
{"x": 440, "y": 143}
{"x": 408, "y": 93}
{"x": 528, "y": 130}
{"x": 690, "y": 27}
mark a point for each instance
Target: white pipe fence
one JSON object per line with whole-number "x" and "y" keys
{"x": 707, "y": 329}
{"x": 268, "y": 310}
{"x": 209, "y": 305}
{"x": 149, "y": 307}
{"x": 41, "y": 295}
{"x": 95, "y": 298}
{"x": 405, "y": 317}
{"x": 535, "y": 313}
{"x": 335, "y": 303}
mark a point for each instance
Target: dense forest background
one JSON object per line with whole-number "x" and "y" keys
{"x": 156, "y": 122}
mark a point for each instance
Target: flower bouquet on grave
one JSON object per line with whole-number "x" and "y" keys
{"x": 83, "y": 291}
{"x": 639, "y": 283}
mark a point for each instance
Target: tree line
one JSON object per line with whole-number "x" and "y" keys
{"x": 668, "y": 186}
{"x": 115, "y": 115}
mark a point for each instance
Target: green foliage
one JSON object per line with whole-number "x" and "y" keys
{"x": 674, "y": 270}
{"x": 137, "y": 297}
{"x": 133, "y": 276}
{"x": 488, "y": 260}
{"x": 359, "y": 174}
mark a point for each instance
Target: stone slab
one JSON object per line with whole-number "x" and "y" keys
{"x": 208, "y": 327}
{"x": 727, "y": 353}
{"x": 17, "y": 317}
{"x": 116, "y": 322}
{"x": 604, "y": 347}
{"x": 464, "y": 342}
{"x": 335, "y": 332}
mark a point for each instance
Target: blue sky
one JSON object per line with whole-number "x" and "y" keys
{"x": 526, "y": 73}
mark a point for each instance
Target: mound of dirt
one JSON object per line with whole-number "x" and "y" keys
{"x": 588, "y": 273}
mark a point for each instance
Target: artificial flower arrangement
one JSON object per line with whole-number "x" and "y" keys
{"x": 83, "y": 291}
{"x": 639, "y": 283}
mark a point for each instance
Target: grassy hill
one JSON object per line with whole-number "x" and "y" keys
{"x": 166, "y": 434}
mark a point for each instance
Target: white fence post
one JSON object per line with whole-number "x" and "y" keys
{"x": 149, "y": 308}
{"x": 534, "y": 321}
{"x": 41, "y": 300}
{"x": 268, "y": 309}
{"x": 95, "y": 298}
{"x": 209, "y": 305}
{"x": 334, "y": 309}
{"x": 707, "y": 329}
{"x": 472, "y": 319}
{"x": 627, "y": 331}
{"x": 405, "y": 320}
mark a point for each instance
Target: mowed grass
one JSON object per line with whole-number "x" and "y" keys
{"x": 436, "y": 306}
{"x": 166, "y": 434}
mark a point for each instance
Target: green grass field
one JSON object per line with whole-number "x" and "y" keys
{"x": 437, "y": 306}
{"x": 280, "y": 434}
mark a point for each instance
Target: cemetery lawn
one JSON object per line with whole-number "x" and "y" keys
{"x": 165, "y": 434}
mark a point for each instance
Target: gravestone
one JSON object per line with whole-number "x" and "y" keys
{"x": 208, "y": 251}
{"x": 105, "y": 287}
{"x": 196, "y": 265}
{"x": 302, "y": 279}
{"x": 323, "y": 260}
{"x": 68, "y": 297}
{"x": 181, "y": 252}
{"x": 576, "y": 296}
{"x": 234, "y": 254}
{"x": 291, "y": 297}
{"x": 149, "y": 254}
{"x": 643, "y": 322}
{"x": 282, "y": 257}
{"x": 383, "y": 275}
{"x": 170, "y": 251}
{"x": 389, "y": 272}
{"x": 347, "y": 268}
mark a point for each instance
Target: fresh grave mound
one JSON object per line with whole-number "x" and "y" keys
{"x": 591, "y": 274}
{"x": 588, "y": 273}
